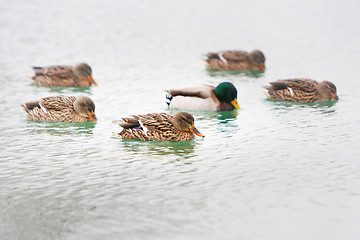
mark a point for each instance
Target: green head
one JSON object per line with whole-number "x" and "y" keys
{"x": 226, "y": 92}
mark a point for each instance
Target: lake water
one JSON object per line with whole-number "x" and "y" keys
{"x": 269, "y": 171}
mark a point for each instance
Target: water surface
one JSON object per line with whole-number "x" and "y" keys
{"x": 269, "y": 171}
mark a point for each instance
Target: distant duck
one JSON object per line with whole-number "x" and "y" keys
{"x": 158, "y": 127}
{"x": 63, "y": 76}
{"x": 235, "y": 61}
{"x": 61, "y": 109}
{"x": 223, "y": 97}
{"x": 301, "y": 90}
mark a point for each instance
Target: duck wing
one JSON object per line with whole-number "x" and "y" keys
{"x": 201, "y": 91}
{"x": 150, "y": 121}
{"x": 156, "y": 121}
{"x": 304, "y": 85}
{"x": 58, "y": 103}
{"x": 224, "y": 56}
{"x": 55, "y": 71}
{"x": 28, "y": 106}
{"x": 235, "y": 56}
{"x": 128, "y": 122}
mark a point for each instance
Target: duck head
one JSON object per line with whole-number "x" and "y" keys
{"x": 85, "y": 107}
{"x": 258, "y": 57}
{"x": 327, "y": 90}
{"x": 184, "y": 121}
{"x": 226, "y": 92}
{"x": 83, "y": 70}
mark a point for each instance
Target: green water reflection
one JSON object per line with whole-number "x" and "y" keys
{"x": 253, "y": 74}
{"x": 221, "y": 116}
{"x": 60, "y": 128}
{"x": 184, "y": 149}
{"x": 63, "y": 90}
{"x": 324, "y": 107}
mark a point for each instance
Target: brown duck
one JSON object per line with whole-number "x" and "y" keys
{"x": 235, "y": 61}
{"x": 301, "y": 90}
{"x": 63, "y": 76}
{"x": 61, "y": 109}
{"x": 158, "y": 127}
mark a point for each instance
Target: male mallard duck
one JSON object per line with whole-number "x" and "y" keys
{"x": 204, "y": 98}
{"x": 63, "y": 76}
{"x": 158, "y": 127}
{"x": 301, "y": 90}
{"x": 61, "y": 109}
{"x": 235, "y": 61}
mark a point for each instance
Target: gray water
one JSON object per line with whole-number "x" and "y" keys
{"x": 269, "y": 171}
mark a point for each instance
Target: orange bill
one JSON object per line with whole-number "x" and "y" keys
{"x": 92, "y": 117}
{"x": 91, "y": 80}
{"x": 196, "y": 132}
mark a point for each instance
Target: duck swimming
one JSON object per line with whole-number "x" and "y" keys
{"x": 61, "y": 109}
{"x": 301, "y": 90}
{"x": 235, "y": 61}
{"x": 63, "y": 76}
{"x": 158, "y": 127}
{"x": 223, "y": 97}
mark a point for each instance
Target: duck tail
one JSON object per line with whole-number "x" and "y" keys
{"x": 38, "y": 70}
{"x": 212, "y": 55}
{"x": 28, "y": 106}
{"x": 168, "y": 99}
{"x": 128, "y": 122}
{"x": 278, "y": 85}
{"x": 275, "y": 86}
{"x": 266, "y": 94}
{"x": 22, "y": 106}
{"x": 204, "y": 57}
{"x": 31, "y": 79}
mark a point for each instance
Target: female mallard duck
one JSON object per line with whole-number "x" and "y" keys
{"x": 61, "y": 109}
{"x": 63, "y": 76}
{"x": 158, "y": 127}
{"x": 235, "y": 61}
{"x": 204, "y": 98}
{"x": 301, "y": 90}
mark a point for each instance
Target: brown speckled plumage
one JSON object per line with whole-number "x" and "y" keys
{"x": 301, "y": 90}
{"x": 60, "y": 109}
{"x": 63, "y": 76}
{"x": 158, "y": 127}
{"x": 235, "y": 61}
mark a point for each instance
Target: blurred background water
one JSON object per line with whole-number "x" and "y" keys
{"x": 269, "y": 171}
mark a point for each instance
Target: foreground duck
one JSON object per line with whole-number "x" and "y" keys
{"x": 158, "y": 127}
{"x": 223, "y": 97}
{"x": 301, "y": 90}
{"x": 235, "y": 61}
{"x": 61, "y": 109}
{"x": 63, "y": 76}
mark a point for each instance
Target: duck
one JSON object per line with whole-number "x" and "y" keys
{"x": 61, "y": 109}
{"x": 79, "y": 75}
{"x": 301, "y": 90}
{"x": 203, "y": 97}
{"x": 235, "y": 60}
{"x": 158, "y": 127}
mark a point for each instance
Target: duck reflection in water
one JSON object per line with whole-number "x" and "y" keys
{"x": 61, "y": 128}
{"x": 183, "y": 149}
